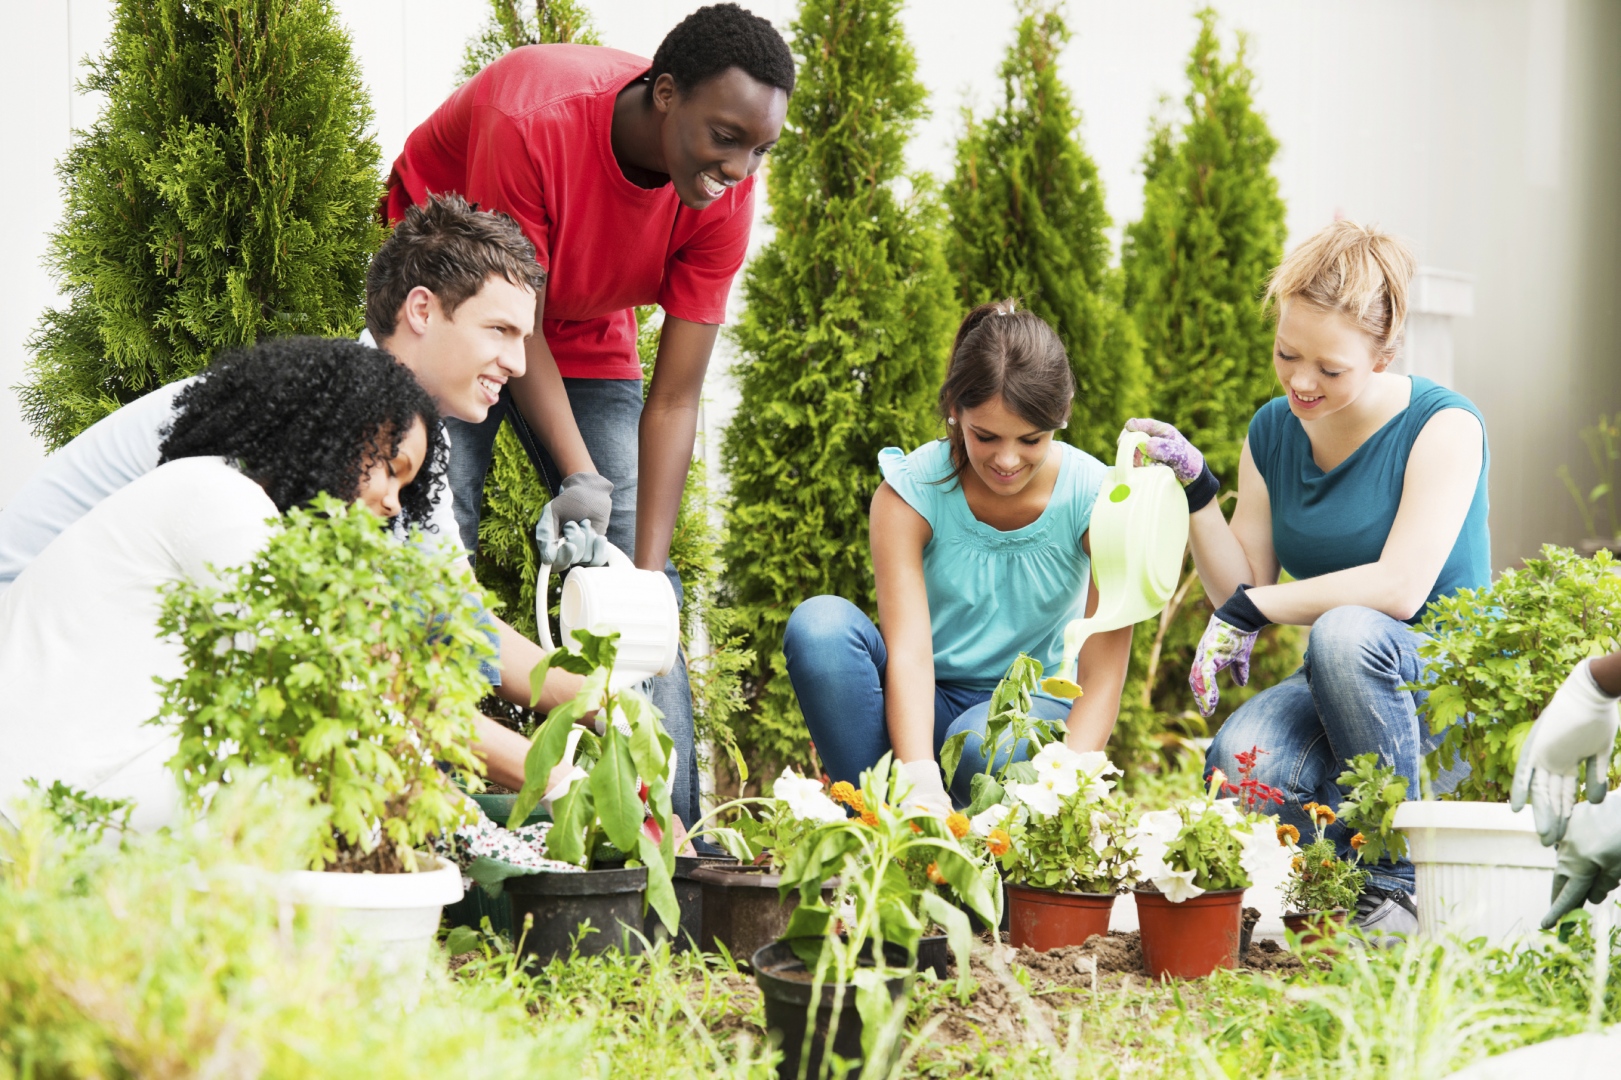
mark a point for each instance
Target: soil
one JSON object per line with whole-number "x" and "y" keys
{"x": 383, "y": 859}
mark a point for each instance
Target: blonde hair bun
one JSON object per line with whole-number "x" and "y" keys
{"x": 1356, "y": 270}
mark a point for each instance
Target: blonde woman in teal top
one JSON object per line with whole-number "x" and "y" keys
{"x": 1369, "y": 488}
{"x": 980, "y": 552}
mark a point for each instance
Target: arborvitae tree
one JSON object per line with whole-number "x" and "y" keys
{"x": 1196, "y": 264}
{"x": 1028, "y": 221}
{"x": 554, "y": 22}
{"x": 227, "y": 192}
{"x": 849, "y": 316}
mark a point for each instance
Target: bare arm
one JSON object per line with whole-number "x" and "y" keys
{"x": 503, "y": 751}
{"x": 543, "y": 402}
{"x": 1102, "y": 672}
{"x": 669, "y": 423}
{"x": 1240, "y": 553}
{"x": 899, "y": 534}
{"x": 1437, "y": 489}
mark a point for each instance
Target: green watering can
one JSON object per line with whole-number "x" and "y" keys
{"x": 1139, "y": 534}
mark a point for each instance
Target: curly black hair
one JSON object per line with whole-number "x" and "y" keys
{"x": 722, "y": 36}
{"x": 303, "y": 415}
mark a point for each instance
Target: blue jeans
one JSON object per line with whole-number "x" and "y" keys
{"x": 608, "y": 412}
{"x": 1346, "y": 699}
{"x": 836, "y": 661}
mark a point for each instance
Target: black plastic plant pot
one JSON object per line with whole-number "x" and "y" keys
{"x": 785, "y": 987}
{"x": 561, "y": 903}
{"x": 689, "y": 897}
{"x": 934, "y": 954}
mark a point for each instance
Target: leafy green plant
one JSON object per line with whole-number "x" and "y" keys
{"x": 1008, "y": 724}
{"x": 1370, "y": 806}
{"x": 848, "y": 320}
{"x": 1066, "y": 830}
{"x": 1496, "y": 655}
{"x": 892, "y": 866}
{"x": 1028, "y": 221}
{"x": 1319, "y": 880}
{"x": 79, "y": 811}
{"x": 1202, "y": 845}
{"x": 217, "y": 199}
{"x": 340, "y": 656}
{"x": 627, "y": 782}
{"x": 509, "y": 27}
{"x": 769, "y": 829}
{"x": 1603, "y": 442}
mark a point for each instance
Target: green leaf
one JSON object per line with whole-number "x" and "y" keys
{"x": 808, "y": 920}
{"x": 537, "y": 678}
{"x": 652, "y": 760}
{"x": 614, "y": 791}
{"x": 959, "y": 936}
{"x": 660, "y": 888}
{"x": 985, "y": 793}
{"x": 951, "y": 754}
{"x": 462, "y": 939}
{"x": 572, "y": 816}
{"x": 545, "y": 754}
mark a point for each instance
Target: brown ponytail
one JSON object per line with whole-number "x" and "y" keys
{"x": 1001, "y": 351}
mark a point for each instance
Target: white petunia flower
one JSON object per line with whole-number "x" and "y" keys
{"x": 1040, "y": 797}
{"x": 1177, "y": 885}
{"x": 805, "y": 798}
{"x": 992, "y": 817}
{"x": 1153, "y": 831}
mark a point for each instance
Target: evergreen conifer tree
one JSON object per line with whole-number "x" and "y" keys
{"x": 1028, "y": 221}
{"x": 553, "y": 22}
{"x": 1196, "y": 263}
{"x": 227, "y": 192}
{"x": 849, "y": 316}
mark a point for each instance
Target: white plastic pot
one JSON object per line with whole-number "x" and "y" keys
{"x": 1481, "y": 871}
{"x": 392, "y": 918}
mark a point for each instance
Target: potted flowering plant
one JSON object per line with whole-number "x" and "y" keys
{"x": 1322, "y": 887}
{"x": 1061, "y": 841}
{"x": 832, "y": 980}
{"x": 1196, "y": 859}
{"x": 610, "y": 813}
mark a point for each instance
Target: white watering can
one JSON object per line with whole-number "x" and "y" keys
{"x": 1139, "y": 534}
{"x": 639, "y": 604}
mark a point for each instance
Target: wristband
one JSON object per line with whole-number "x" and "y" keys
{"x": 1201, "y": 490}
{"x": 1240, "y": 612}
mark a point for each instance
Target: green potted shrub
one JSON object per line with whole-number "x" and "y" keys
{"x": 612, "y": 820}
{"x": 832, "y": 982}
{"x": 1494, "y": 658}
{"x": 345, "y": 658}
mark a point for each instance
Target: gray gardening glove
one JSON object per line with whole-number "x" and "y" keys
{"x": 1575, "y": 732}
{"x": 578, "y": 546}
{"x": 1589, "y": 865}
{"x": 584, "y": 496}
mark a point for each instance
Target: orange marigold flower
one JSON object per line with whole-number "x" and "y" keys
{"x": 843, "y": 792}
{"x": 1358, "y": 842}
{"x": 916, "y": 827}
{"x": 869, "y": 817}
{"x": 1296, "y": 864}
{"x": 1328, "y": 864}
{"x": 935, "y": 875}
{"x": 958, "y": 824}
{"x": 1288, "y": 834}
{"x": 998, "y": 842}
{"x": 1311, "y": 806}
{"x": 1323, "y": 816}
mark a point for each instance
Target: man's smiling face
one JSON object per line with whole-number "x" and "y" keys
{"x": 464, "y": 358}
{"x": 718, "y": 134}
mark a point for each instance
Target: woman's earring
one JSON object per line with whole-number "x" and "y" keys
{"x": 952, "y": 420}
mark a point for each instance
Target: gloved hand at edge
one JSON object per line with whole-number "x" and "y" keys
{"x": 1576, "y": 731}
{"x": 1228, "y": 639}
{"x": 1589, "y": 865}
{"x": 928, "y": 789}
{"x": 576, "y": 544}
{"x": 584, "y": 496}
{"x": 1169, "y": 447}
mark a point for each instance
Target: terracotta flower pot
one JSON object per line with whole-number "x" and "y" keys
{"x": 1048, "y": 919}
{"x": 1191, "y": 939}
{"x": 1312, "y": 926}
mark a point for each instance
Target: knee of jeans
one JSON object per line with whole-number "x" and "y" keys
{"x": 817, "y": 622}
{"x": 1348, "y": 634}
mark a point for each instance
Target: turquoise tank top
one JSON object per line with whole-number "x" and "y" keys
{"x": 1323, "y": 522}
{"x": 994, "y": 594}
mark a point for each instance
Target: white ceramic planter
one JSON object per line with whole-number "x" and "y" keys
{"x": 392, "y": 917}
{"x": 1481, "y": 871}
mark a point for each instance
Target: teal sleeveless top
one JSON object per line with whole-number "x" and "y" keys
{"x": 1323, "y": 522}
{"x": 994, "y": 594}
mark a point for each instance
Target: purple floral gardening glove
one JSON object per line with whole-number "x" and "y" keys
{"x": 1227, "y": 642}
{"x": 1168, "y": 447}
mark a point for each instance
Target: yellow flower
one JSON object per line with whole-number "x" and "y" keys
{"x": 1323, "y": 816}
{"x": 869, "y": 817}
{"x": 998, "y": 842}
{"x": 935, "y": 875}
{"x": 843, "y": 792}
{"x": 858, "y": 803}
{"x": 1288, "y": 834}
{"x": 1358, "y": 842}
{"x": 1296, "y": 863}
{"x": 958, "y": 824}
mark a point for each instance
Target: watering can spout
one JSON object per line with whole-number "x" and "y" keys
{"x": 637, "y": 604}
{"x": 1139, "y": 536}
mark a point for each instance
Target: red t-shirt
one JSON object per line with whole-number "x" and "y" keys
{"x": 530, "y": 136}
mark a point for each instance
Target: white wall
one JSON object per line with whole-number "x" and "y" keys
{"x": 1486, "y": 131}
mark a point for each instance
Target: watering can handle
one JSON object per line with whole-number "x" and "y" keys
{"x": 543, "y": 579}
{"x": 1129, "y": 442}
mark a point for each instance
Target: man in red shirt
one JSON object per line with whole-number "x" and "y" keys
{"x": 635, "y": 181}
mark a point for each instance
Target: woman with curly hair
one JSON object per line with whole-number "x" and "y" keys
{"x": 265, "y": 429}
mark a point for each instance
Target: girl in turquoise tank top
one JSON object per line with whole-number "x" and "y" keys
{"x": 1369, "y": 488}
{"x": 980, "y": 552}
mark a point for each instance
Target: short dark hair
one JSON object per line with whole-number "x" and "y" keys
{"x": 722, "y": 36}
{"x": 303, "y": 415}
{"x": 450, "y": 247}
{"x": 1003, "y": 351}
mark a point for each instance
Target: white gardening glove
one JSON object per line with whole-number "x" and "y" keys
{"x": 927, "y": 790}
{"x": 566, "y": 774}
{"x": 1576, "y": 730}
